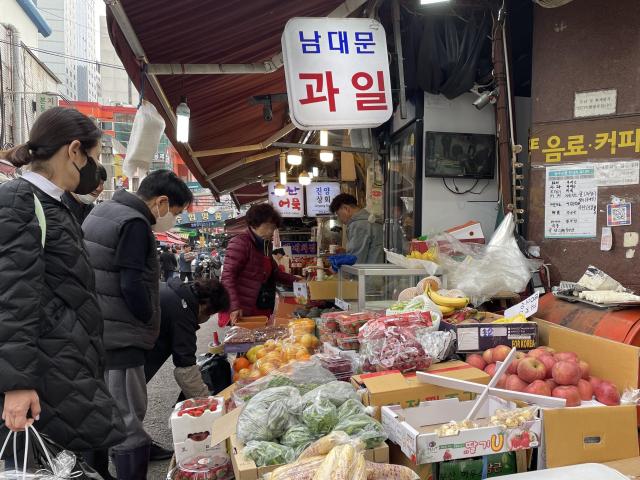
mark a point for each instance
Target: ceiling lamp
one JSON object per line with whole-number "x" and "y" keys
{"x": 326, "y": 156}
{"x": 283, "y": 168}
{"x": 294, "y": 157}
{"x": 310, "y": 174}
{"x": 280, "y": 190}
{"x": 316, "y": 172}
{"x": 304, "y": 178}
{"x": 283, "y": 177}
{"x": 182, "y": 120}
{"x": 324, "y": 138}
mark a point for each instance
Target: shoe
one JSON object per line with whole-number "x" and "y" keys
{"x": 159, "y": 453}
{"x": 132, "y": 464}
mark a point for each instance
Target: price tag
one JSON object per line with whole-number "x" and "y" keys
{"x": 342, "y": 305}
{"x": 301, "y": 292}
{"x": 527, "y": 307}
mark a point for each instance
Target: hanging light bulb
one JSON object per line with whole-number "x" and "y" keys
{"x": 182, "y": 120}
{"x": 304, "y": 178}
{"x": 283, "y": 168}
{"x": 316, "y": 172}
{"x": 324, "y": 138}
{"x": 310, "y": 174}
{"x": 326, "y": 156}
{"x": 283, "y": 177}
{"x": 280, "y": 190}
{"x": 294, "y": 157}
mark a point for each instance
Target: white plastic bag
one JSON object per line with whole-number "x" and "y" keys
{"x": 146, "y": 132}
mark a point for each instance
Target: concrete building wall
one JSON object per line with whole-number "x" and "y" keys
{"x": 14, "y": 14}
{"x": 115, "y": 83}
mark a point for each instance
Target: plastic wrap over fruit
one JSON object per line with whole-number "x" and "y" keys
{"x": 391, "y": 343}
{"x": 323, "y": 445}
{"x": 438, "y": 345}
{"x": 630, "y": 397}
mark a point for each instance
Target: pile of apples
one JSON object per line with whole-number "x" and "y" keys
{"x": 544, "y": 371}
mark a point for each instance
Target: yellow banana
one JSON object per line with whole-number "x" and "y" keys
{"x": 446, "y": 310}
{"x": 443, "y": 301}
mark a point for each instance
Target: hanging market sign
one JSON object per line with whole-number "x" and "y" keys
{"x": 337, "y": 73}
{"x": 580, "y": 140}
{"x": 202, "y": 219}
{"x": 319, "y": 197}
{"x": 291, "y": 205}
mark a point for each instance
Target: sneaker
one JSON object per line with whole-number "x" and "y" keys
{"x": 159, "y": 453}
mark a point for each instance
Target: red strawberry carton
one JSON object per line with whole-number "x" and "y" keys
{"x": 191, "y": 423}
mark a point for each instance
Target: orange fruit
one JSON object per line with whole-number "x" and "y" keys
{"x": 267, "y": 367}
{"x": 244, "y": 373}
{"x": 308, "y": 340}
{"x": 241, "y": 363}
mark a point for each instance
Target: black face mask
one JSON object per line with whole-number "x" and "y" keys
{"x": 89, "y": 180}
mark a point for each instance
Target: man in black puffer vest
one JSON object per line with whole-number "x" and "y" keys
{"x": 122, "y": 249}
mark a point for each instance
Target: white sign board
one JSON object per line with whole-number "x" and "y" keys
{"x": 528, "y": 307}
{"x": 46, "y": 102}
{"x": 337, "y": 73}
{"x": 290, "y": 205}
{"x": 595, "y": 104}
{"x": 571, "y": 202}
{"x": 319, "y": 197}
{"x": 609, "y": 174}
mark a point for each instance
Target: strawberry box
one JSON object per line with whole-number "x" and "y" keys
{"x": 191, "y": 423}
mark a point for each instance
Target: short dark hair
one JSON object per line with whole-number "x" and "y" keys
{"x": 212, "y": 294}
{"x": 278, "y": 251}
{"x": 165, "y": 182}
{"x": 102, "y": 173}
{"x": 342, "y": 199}
{"x": 263, "y": 213}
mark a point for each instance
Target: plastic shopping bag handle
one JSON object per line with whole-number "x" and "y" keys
{"x": 26, "y": 448}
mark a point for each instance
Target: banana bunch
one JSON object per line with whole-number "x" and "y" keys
{"x": 447, "y": 305}
{"x": 520, "y": 318}
{"x": 431, "y": 254}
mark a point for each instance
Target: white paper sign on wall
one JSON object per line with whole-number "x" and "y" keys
{"x": 291, "y": 205}
{"x": 337, "y": 73}
{"x": 319, "y": 197}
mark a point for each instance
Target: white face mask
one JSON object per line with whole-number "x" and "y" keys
{"x": 165, "y": 222}
{"x": 87, "y": 198}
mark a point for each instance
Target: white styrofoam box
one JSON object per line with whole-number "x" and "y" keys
{"x": 192, "y": 435}
{"x": 586, "y": 471}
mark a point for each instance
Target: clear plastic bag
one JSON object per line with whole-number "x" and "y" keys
{"x": 321, "y": 416}
{"x": 420, "y": 303}
{"x": 364, "y": 428}
{"x": 351, "y": 407}
{"x": 482, "y": 271}
{"x": 298, "y": 437}
{"x": 324, "y": 445}
{"x": 268, "y": 453}
{"x": 304, "y": 376}
{"x": 336, "y": 392}
{"x": 390, "y": 343}
{"x": 269, "y": 414}
{"x": 147, "y": 129}
{"x": 438, "y": 345}
{"x": 301, "y": 470}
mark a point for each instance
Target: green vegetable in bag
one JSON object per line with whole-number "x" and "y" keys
{"x": 349, "y": 408}
{"x": 337, "y": 392}
{"x": 364, "y": 428}
{"x": 269, "y": 414}
{"x": 268, "y": 453}
{"x": 297, "y": 436}
{"x": 321, "y": 416}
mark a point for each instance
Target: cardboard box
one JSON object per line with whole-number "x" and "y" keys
{"x": 252, "y": 322}
{"x": 397, "y": 457}
{"x": 628, "y": 466}
{"x": 192, "y": 435}
{"x": 476, "y": 337}
{"x": 414, "y": 430}
{"x": 328, "y": 290}
{"x": 245, "y": 469}
{"x": 392, "y": 388}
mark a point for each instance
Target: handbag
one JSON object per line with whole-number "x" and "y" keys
{"x": 52, "y": 462}
{"x": 266, "y": 296}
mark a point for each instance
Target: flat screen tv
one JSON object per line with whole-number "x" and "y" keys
{"x": 459, "y": 155}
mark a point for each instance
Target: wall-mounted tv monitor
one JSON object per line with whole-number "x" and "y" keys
{"x": 459, "y": 155}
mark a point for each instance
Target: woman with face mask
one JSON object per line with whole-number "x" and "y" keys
{"x": 51, "y": 350}
{"x": 122, "y": 250}
{"x": 81, "y": 205}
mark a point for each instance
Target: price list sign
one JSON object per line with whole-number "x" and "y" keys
{"x": 571, "y": 202}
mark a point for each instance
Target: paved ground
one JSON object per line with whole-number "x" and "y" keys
{"x": 163, "y": 392}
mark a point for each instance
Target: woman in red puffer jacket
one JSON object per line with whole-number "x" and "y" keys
{"x": 250, "y": 274}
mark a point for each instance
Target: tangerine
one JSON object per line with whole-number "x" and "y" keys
{"x": 241, "y": 363}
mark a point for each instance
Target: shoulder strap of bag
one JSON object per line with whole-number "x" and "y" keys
{"x": 42, "y": 220}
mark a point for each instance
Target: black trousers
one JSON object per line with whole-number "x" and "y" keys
{"x": 186, "y": 275}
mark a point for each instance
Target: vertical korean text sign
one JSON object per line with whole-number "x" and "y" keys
{"x": 290, "y": 205}
{"x": 337, "y": 73}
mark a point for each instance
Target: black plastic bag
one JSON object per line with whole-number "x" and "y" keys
{"x": 216, "y": 372}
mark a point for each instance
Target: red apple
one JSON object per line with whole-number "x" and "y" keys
{"x": 500, "y": 353}
{"x": 584, "y": 367}
{"x": 607, "y": 393}
{"x": 594, "y": 381}
{"x": 548, "y": 362}
{"x": 570, "y": 394}
{"x": 502, "y": 382}
{"x": 538, "y": 352}
{"x": 539, "y": 387}
{"x": 548, "y": 349}
{"x": 566, "y": 373}
{"x": 531, "y": 369}
{"x": 476, "y": 360}
{"x": 551, "y": 383}
{"x": 487, "y": 356}
{"x": 513, "y": 366}
{"x": 490, "y": 369}
{"x": 566, "y": 356}
{"x": 585, "y": 389}
{"x": 515, "y": 384}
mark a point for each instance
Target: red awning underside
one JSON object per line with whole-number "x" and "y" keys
{"x": 221, "y": 31}
{"x": 250, "y": 193}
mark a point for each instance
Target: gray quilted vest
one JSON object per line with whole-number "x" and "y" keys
{"x": 102, "y": 229}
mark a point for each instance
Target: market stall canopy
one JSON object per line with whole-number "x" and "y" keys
{"x": 230, "y": 139}
{"x": 169, "y": 238}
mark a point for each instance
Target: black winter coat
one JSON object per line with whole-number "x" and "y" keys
{"x": 50, "y": 322}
